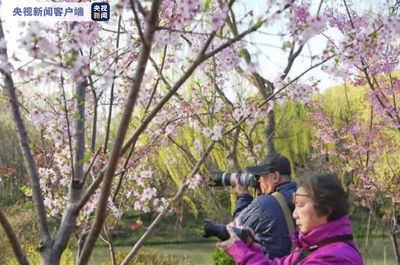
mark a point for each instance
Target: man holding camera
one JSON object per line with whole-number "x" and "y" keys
{"x": 270, "y": 214}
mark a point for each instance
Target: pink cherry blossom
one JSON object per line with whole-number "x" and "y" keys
{"x": 5, "y": 65}
{"x": 197, "y": 147}
{"x": 195, "y": 181}
{"x": 316, "y": 25}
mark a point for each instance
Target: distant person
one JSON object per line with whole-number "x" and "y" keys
{"x": 324, "y": 234}
{"x": 268, "y": 214}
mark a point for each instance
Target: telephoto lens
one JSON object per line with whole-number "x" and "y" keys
{"x": 220, "y": 231}
{"x": 219, "y": 179}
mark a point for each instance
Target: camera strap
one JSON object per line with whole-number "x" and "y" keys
{"x": 305, "y": 252}
{"x": 286, "y": 211}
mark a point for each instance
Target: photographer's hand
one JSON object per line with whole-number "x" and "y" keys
{"x": 225, "y": 245}
{"x": 239, "y": 189}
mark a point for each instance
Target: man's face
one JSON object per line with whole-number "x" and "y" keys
{"x": 268, "y": 182}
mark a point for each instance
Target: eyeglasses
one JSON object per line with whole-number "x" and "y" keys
{"x": 294, "y": 195}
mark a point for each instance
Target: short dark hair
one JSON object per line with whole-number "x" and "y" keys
{"x": 327, "y": 193}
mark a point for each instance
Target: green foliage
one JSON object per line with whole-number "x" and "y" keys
{"x": 288, "y": 45}
{"x": 33, "y": 257}
{"x": 24, "y": 223}
{"x": 10, "y": 158}
{"x": 219, "y": 257}
{"x": 219, "y": 159}
{"x": 359, "y": 218}
{"x": 337, "y": 101}
{"x": 176, "y": 228}
{"x": 172, "y": 164}
{"x": 292, "y": 137}
{"x": 86, "y": 158}
{"x": 192, "y": 206}
{"x": 150, "y": 257}
{"x": 233, "y": 201}
{"x": 207, "y": 4}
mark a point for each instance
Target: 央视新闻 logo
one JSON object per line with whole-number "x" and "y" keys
{"x": 100, "y": 11}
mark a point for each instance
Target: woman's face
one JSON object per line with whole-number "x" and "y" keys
{"x": 305, "y": 213}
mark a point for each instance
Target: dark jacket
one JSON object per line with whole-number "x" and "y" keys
{"x": 265, "y": 216}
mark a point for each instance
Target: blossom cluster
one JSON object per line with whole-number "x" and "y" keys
{"x": 194, "y": 182}
{"x": 180, "y": 13}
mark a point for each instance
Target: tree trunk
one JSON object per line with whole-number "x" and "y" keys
{"x": 395, "y": 245}
{"x": 232, "y": 157}
{"x": 112, "y": 252}
{"x": 269, "y": 131}
{"x": 50, "y": 257}
{"x": 367, "y": 238}
{"x": 37, "y": 197}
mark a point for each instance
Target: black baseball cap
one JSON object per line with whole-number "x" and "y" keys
{"x": 270, "y": 164}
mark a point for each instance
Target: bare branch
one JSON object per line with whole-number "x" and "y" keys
{"x": 143, "y": 11}
{"x": 133, "y": 139}
{"x": 319, "y": 7}
{"x": 157, "y": 81}
{"x": 165, "y": 81}
{"x": 12, "y": 237}
{"x": 348, "y": 13}
{"x": 112, "y": 90}
{"x": 184, "y": 150}
{"x": 95, "y": 116}
{"x": 90, "y": 167}
{"x": 138, "y": 23}
{"x": 89, "y": 192}
{"x": 291, "y": 59}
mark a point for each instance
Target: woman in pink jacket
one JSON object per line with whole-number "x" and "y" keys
{"x": 324, "y": 234}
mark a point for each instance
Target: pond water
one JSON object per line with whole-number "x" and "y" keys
{"x": 199, "y": 253}
{"x": 379, "y": 252}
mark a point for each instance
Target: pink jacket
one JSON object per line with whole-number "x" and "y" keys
{"x": 343, "y": 253}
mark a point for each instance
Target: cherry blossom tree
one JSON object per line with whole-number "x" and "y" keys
{"x": 118, "y": 93}
{"x": 365, "y": 140}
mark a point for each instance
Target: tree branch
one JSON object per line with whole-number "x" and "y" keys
{"x": 12, "y": 237}
{"x": 161, "y": 215}
{"x": 201, "y": 58}
{"x": 112, "y": 90}
{"x": 157, "y": 81}
{"x": 277, "y": 92}
{"x": 68, "y": 127}
{"x": 138, "y": 23}
{"x": 101, "y": 213}
{"x": 27, "y": 152}
{"x": 75, "y": 190}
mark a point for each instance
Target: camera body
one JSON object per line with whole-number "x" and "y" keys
{"x": 220, "y": 231}
{"x": 219, "y": 178}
